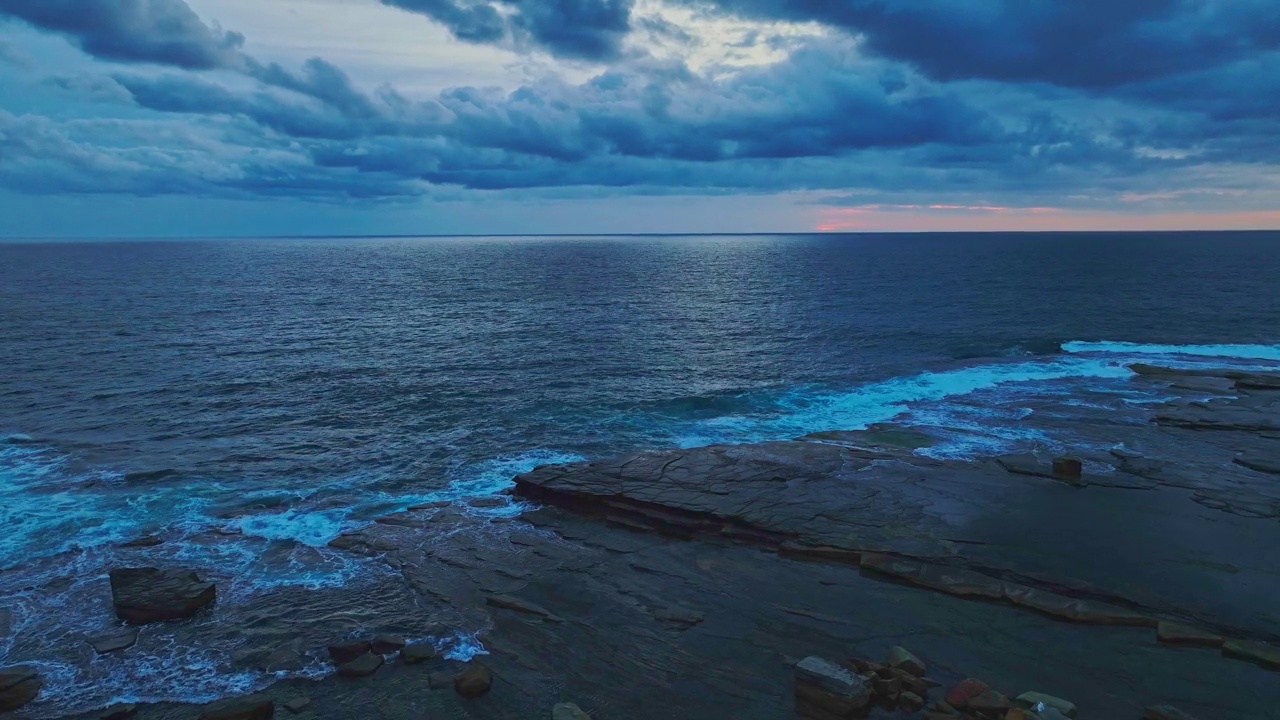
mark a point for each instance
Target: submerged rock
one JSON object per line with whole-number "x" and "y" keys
{"x": 19, "y": 685}
{"x": 347, "y": 651}
{"x": 298, "y": 704}
{"x": 146, "y": 595}
{"x": 826, "y": 690}
{"x": 249, "y": 707}
{"x": 1173, "y": 633}
{"x": 508, "y": 602}
{"x": 473, "y": 681}
{"x": 1267, "y": 656}
{"x": 113, "y": 640}
{"x": 418, "y": 653}
{"x": 568, "y": 711}
{"x": 363, "y": 666}
{"x": 386, "y": 644}
{"x": 1165, "y": 712}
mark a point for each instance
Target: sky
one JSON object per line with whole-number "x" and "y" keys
{"x": 177, "y": 118}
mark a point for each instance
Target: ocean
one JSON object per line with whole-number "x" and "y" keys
{"x": 247, "y": 400}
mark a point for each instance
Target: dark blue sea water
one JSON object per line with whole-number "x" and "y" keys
{"x": 292, "y": 388}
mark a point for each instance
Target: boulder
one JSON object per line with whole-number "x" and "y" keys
{"x": 568, "y": 711}
{"x": 901, "y": 658}
{"x": 363, "y": 666}
{"x": 298, "y": 704}
{"x": 146, "y": 595}
{"x": 249, "y": 707}
{"x": 1068, "y": 468}
{"x": 959, "y": 696}
{"x": 19, "y": 685}
{"x": 386, "y": 644}
{"x": 910, "y": 701}
{"x": 474, "y": 681}
{"x": 114, "y": 639}
{"x": 1173, "y": 633}
{"x": 348, "y": 651}
{"x": 418, "y": 653}
{"x": 1165, "y": 712}
{"x": 990, "y": 703}
{"x": 1030, "y": 699}
{"x": 825, "y": 690}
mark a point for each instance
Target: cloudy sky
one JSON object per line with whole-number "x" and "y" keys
{"x": 274, "y": 117}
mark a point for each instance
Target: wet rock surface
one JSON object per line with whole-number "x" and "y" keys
{"x": 147, "y": 594}
{"x": 19, "y": 685}
{"x": 700, "y": 579}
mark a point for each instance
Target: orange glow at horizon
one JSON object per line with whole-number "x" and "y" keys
{"x": 993, "y": 218}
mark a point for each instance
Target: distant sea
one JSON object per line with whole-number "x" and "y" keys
{"x": 288, "y": 389}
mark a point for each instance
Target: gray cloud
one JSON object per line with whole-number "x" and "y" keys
{"x": 167, "y": 32}
{"x": 585, "y": 29}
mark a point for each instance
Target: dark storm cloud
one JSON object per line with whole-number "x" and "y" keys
{"x": 1076, "y": 43}
{"x": 585, "y": 29}
{"x": 167, "y": 32}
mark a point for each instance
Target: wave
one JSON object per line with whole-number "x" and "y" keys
{"x": 808, "y": 410}
{"x": 1237, "y": 351}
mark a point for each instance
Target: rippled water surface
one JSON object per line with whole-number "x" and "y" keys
{"x": 288, "y": 389}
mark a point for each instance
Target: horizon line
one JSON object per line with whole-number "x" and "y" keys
{"x": 791, "y": 233}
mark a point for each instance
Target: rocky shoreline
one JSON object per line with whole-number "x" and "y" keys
{"x": 1121, "y": 573}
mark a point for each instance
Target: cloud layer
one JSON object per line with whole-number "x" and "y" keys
{"x": 1021, "y": 100}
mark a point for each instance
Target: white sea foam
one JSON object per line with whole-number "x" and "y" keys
{"x": 1236, "y": 351}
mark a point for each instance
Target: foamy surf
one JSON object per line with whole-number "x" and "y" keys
{"x": 1231, "y": 351}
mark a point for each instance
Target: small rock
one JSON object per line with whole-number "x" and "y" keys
{"x": 900, "y": 657}
{"x": 568, "y": 711}
{"x": 488, "y": 502}
{"x": 363, "y": 666}
{"x": 386, "y": 644}
{"x": 418, "y": 653}
{"x": 1068, "y": 467}
{"x": 824, "y": 689}
{"x": 886, "y": 688}
{"x": 120, "y": 712}
{"x": 249, "y": 707}
{"x": 143, "y": 542}
{"x": 1255, "y": 652}
{"x": 298, "y": 704}
{"x": 910, "y": 701}
{"x": 1165, "y": 712}
{"x": 473, "y": 681}
{"x": 113, "y": 640}
{"x": 1018, "y": 714}
{"x": 1175, "y": 634}
{"x": 348, "y": 651}
{"x": 959, "y": 696}
{"x": 145, "y": 595}
{"x": 1031, "y": 699}
{"x": 19, "y": 685}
